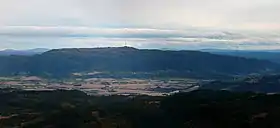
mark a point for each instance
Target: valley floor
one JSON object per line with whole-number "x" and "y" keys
{"x": 104, "y": 86}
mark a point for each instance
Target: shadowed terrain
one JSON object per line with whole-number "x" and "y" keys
{"x": 64, "y": 62}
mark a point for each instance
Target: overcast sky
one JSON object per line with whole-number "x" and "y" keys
{"x": 180, "y": 24}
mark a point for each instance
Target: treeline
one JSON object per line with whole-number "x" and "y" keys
{"x": 198, "y": 109}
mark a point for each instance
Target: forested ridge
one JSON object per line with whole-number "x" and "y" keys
{"x": 64, "y": 62}
{"x": 198, "y": 109}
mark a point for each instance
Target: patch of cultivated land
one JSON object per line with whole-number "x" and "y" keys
{"x": 104, "y": 86}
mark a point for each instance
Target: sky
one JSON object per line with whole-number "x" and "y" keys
{"x": 168, "y": 24}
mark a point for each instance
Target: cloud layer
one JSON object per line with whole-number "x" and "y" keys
{"x": 180, "y": 24}
{"x": 56, "y": 37}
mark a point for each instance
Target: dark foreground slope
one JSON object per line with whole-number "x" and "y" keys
{"x": 63, "y": 62}
{"x": 199, "y": 109}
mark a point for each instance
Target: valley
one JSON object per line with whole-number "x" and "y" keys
{"x": 103, "y": 86}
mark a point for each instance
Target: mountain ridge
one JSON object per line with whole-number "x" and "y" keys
{"x": 271, "y": 55}
{"x": 28, "y": 52}
{"x": 63, "y": 62}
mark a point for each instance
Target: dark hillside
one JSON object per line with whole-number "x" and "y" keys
{"x": 63, "y": 62}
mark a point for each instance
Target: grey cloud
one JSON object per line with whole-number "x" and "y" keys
{"x": 45, "y": 31}
{"x": 142, "y": 23}
{"x": 237, "y": 14}
{"x": 138, "y": 37}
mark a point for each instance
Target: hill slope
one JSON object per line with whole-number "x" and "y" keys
{"x": 62, "y": 62}
{"x": 263, "y": 84}
{"x": 197, "y": 109}
{"x": 30, "y": 52}
{"x": 271, "y": 55}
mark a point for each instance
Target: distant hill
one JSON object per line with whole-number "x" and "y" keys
{"x": 63, "y": 62}
{"x": 30, "y": 52}
{"x": 263, "y": 84}
{"x": 271, "y": 55}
